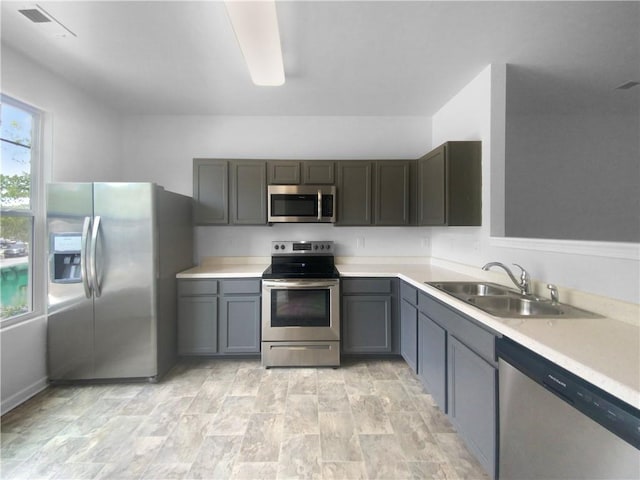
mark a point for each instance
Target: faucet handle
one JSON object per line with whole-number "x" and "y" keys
{"x": 555, "y": 298}
{"x": 525, "y": 280}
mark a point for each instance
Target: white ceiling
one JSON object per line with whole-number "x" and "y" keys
{"x": 341, "y": 58}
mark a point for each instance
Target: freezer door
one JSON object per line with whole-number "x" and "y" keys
{"x": 70, "y": 309}
{"x": 124, "y": 243}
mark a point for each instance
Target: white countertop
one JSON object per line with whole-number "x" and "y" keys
{"x": 603, "y": 351}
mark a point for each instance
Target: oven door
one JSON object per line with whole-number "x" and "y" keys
{"x": 300, "y": 310}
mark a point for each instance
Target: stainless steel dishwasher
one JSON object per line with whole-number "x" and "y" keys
{"x": 554, "y": 425}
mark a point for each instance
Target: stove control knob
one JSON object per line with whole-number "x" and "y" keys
{"x": 321, "y": 247}
{"x": 315, "y": 247}
{"x": 328, "y": 247}
{"x": 277, "y": 247}
{"x": 282, "y": 247}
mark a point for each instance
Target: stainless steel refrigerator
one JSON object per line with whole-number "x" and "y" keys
{"x": 114, "y": 251}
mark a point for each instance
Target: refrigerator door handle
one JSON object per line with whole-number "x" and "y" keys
{"x": 94, "y": 261}
{"x": 86, "y": 281}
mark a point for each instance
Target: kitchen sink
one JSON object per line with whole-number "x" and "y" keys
{"x": 504, "y": 302}
{"x": 515, "y": 306}
{"x": 472, "y": 288}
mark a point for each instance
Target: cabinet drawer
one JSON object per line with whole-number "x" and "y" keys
{"x": 366, "y": 285}
{"x": 197, "y": 287}
{"x": 409, "y": 293}
{"x": 241, "y": 286}
{"x": 472, "y": 335}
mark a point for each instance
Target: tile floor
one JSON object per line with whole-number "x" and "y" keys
{"x": 233, "y": 419}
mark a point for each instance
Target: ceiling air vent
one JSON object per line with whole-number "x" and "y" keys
{"x": 46, "y": 23}
{"x": 35, "y": 15}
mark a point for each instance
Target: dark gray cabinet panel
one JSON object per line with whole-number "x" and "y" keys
{"x": 210, "y": 191}
{"x": 318, "y": 172}
{"x": 393, "y": 192}
{"x": 368, "y": 286}
{"x": 432, "y": 359}
{"x": 197, "y": 325}
{"x": 409, "y": 333}
{"x": 283, "y": 172}
{"x": 218, "y": 316}
{"x": 355, "y": 196}
{"x": 366, "y": 324}
{"x": 248, "y": 192}
{"x": 472, "y": 405}
{"x": 240, "y": 324}
{"x": 450, "y": 185}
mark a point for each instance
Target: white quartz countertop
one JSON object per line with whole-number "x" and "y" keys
{"x": 603, "y": 351}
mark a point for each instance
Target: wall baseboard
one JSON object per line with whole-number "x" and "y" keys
{"x": 23, "y": 395}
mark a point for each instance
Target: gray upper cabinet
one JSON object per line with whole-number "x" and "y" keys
{"x": 283, "y": 172}
{"x": 230, "y": 192}
{"x": 450, "y": 185}
{"x": 318, "y": 172}
{"x": 210, "y": 191}
{"x": 308, "y": 172}
{"x": 355, "y": 193}
{"x": 248, "y": 205}
{"x": 393, "y": 192}
{"x": 375, "y": 192}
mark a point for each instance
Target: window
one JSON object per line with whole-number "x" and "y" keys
{"x": 20, "y": 197}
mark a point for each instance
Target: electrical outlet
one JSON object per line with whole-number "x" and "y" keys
{"x": 360, "y": 242}
{"x": 425, "y": 242}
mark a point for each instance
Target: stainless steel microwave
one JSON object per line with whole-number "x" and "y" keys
{"x": 301, "y": 203}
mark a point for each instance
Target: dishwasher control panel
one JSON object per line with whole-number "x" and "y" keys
{"x": 612, "y": 413}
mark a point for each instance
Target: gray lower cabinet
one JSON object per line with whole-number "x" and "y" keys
{"x": 456, "y": 363}
{"x": 218, "y": 316}
{"x": 367, "y": 315}
{"x": 409, "y": 325}
{"x": 197, "y": 317}
{"x": 432, "y": 359}
{"x": 239, "y": 330}
{"x": 472, "y": 403}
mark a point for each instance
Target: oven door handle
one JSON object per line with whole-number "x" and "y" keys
{"x": 299, "y": 283}
{"x": 319, "y": 204}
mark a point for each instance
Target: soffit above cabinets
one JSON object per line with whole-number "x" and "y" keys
{"x": 355, "y": 58}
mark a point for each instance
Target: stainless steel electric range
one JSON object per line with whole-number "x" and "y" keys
{"x": 301, "y": 306}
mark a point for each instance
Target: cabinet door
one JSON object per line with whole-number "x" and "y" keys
{"x": 432, "y": 188}
{"x": 472, "y": 402}
{"x": 210, "y": 191}
{"x": 197, "y": 325}
{"x": 318, "y": 172}
{"x": 248, "y": 192}
{"x": 354, "y": 193}
{"x": 393, "y": 192}
{"x": 283, "y": 172}
{"x": 240, "y": 324}
{"x": 432, "y": 359}
{"x": 409, "y": 333}
{"x": 366, "y": 324}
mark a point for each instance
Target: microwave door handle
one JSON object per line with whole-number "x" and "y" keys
{"x": 319, "y": 204}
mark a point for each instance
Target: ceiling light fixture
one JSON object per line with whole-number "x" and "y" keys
{"x": 255, "y": 24}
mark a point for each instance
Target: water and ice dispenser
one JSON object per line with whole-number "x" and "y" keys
{"x": 66, "y": 266}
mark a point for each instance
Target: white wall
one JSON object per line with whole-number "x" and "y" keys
{"x": 82, "y": 143}
{"x": 477, "y": 113}
{"x": 162, "y": 148}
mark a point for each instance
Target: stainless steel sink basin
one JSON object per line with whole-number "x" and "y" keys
{"x": 514, "y": 306}
{"x": 472, "y": 288}
{"x": 501, "y": 301}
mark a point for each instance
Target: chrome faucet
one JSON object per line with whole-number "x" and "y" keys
{"x": 525, "y": 280}
{"x": 553, "y": 290}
